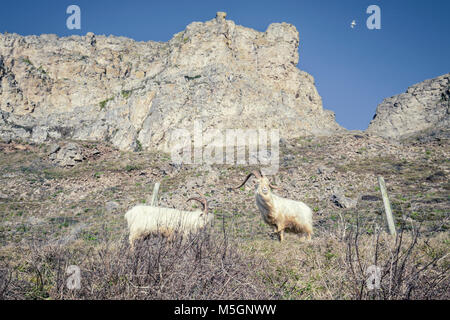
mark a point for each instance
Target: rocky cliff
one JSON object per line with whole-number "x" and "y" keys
{"x": 423, "y": 109}
{"x": 133, "y": 94}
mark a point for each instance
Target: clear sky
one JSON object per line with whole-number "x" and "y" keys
{"x": 354, "y": 68}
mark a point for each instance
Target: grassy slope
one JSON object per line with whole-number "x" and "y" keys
{"x": 41, "y": 204}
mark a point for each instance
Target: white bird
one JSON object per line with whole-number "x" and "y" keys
{"x": 353, "y": 24}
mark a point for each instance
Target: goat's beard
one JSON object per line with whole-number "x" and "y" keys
{"x": 266, "y": 196}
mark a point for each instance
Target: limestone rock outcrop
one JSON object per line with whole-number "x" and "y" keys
{"x": 133, "y": 94}
{"x": 423, "y": 109}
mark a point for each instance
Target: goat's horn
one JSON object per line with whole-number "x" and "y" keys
{"x": 203, "y": 201}
{"x": 255, "y": 173}
{"x": 274, "y": 187}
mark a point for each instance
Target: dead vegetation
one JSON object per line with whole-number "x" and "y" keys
{"x": 52, "y": 217}
{"x": 199, "y": 267}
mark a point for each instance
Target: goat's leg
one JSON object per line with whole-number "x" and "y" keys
{"x": 308, "y": 232}
{"x": 280, "y": 232}
{"x": 132, "y": 240}
{"x": 281, "y": 235}
{"x": 305, "y": 237}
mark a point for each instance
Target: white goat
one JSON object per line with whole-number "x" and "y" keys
{"x": 147, "y": 220}
{"x": 283, "y": 214}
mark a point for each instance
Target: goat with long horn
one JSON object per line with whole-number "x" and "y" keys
{"x": 147, "y": 220}
{"x": 280, "y": 213}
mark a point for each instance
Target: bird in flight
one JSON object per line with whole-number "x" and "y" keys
{"x": 353, "y": 24}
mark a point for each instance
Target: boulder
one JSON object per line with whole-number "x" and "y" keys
{"x": 67, "y": 156}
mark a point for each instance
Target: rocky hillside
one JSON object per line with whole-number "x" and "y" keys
{"x": 424, "y": 109}
{"x": 85, "y": 125}
{"x": 132, "y": 94}
{"x": 52, "y": 217}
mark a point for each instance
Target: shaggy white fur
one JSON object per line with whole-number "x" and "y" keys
{"x": 146, "y": 220}
{"x": 281, "y": 213}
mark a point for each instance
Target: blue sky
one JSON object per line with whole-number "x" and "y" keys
{"x": 354, "y": 69}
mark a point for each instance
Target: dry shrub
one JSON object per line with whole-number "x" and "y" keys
{"x": 410, "y": 267}
{"x": 208, "y": 265}
{"x": 336, "y": 264}
{"x": 5, "y": 281}
{"x": 201, "y": 266}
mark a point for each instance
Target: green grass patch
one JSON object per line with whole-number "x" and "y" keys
{"x": 125, "y": 93}
{"x": 103, "y": 103}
